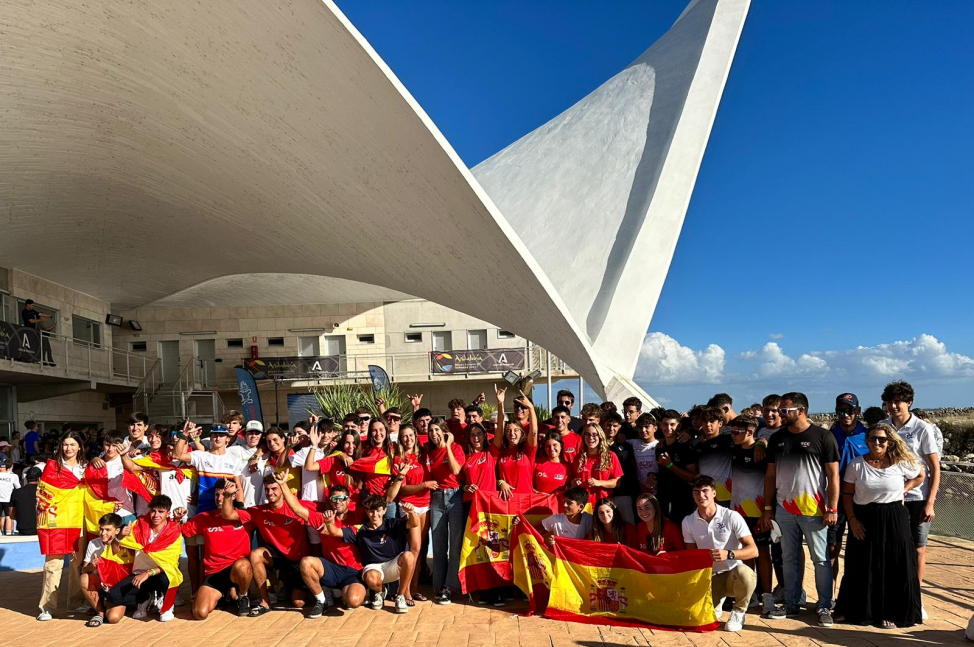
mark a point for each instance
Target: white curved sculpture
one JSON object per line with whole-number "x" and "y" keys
{"x": 155, "y": 147}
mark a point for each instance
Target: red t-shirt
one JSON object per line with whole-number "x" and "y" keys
{"x": 224, "y": 541}
{"x": 629, "y": 536}
{"x": 438, "y": 465}
{"x": 672, "y": 538}
{"x": 550, "y": 478}
{"x": 282, "y": 529}
{"x": 459, "y": 431}
{"x": 516, "y": 467}
{"x": 571, "y": 447}
{"x": 587, "y": 467}
{"x": 336, "y": 549}
{"x": 416, "y": 475}
{"x": 480, "y": 470}
{"x": 337, "y": 474}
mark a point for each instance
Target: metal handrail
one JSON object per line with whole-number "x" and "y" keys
{"x": 99, "y": 360}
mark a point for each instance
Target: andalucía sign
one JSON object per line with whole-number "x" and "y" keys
{"x": 477, "y": 361}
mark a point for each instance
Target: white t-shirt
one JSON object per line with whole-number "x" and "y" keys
{"x": 8, "y": 483}
{"x": 312, "y": 487}
{"x": 723, "y": 532}
{"x": 875, "y": 485}
{"x": 178, "y": 490}
{"x": 922, "y": 440}
{"x": 645, "y": 457}
{"x": 116, "y": 490}
{"x": 95, "y": 548}
{"x": 253, "y": 482}
{"x": 559, "y": 526}
{"x": 765, "y": 433}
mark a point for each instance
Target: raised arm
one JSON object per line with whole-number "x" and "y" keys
{"x": 310, "y": 461}
{"x": 289, "y": 498}
{"x": 499, "y": 431}
{"x": 227, "y": 511}
{"x": 128, "y": 463}
{"x": 455, "y": 465}
{"x": 532, "y": 438}
{"x": 180, "y": 451}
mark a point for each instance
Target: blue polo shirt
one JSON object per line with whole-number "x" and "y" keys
{"x": 382, "y": 544}
{"x": 851, "y": 446}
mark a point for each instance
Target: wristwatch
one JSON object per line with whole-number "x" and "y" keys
{"x": 730, "y": 554}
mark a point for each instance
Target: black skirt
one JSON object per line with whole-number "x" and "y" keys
{"x": 880, "y": 581}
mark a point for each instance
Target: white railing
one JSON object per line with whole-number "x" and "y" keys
{"x": 64, "y": 356}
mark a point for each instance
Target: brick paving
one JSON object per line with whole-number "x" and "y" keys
{"x": 948, "y": 596}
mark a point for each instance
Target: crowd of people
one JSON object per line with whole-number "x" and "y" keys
{"x": 335, "y": 513}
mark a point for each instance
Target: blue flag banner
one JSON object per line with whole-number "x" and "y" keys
{"x": 249, "y": 397}
{"x": 380, "y": 379}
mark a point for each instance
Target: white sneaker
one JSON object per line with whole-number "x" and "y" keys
{"x": 378, "y": 598}
{"x": 142, "y": 610}
{"x": 735, "y": 622}
{"x": 167, "y": 616}
{"x": 923, "y": 613}
{"x": 44, "y": 616}
{"x": 719, "y": 608}
{"x": 401, "y": 604}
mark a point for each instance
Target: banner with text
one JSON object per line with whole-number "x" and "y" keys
{"x": 269, "y": 368}
{"x": 19, "y": 342}
{"x": 477, "y": 361}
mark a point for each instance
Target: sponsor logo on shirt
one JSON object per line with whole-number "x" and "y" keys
{"x": 806, "y": 444}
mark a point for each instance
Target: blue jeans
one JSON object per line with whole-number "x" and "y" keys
{"x": 793, "y": 527}
{"x": 392, "y": 511}
{"x": 447, "y": 525}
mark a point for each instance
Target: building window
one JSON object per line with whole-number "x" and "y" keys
{"x": 309, "y": 346}
{"x": 86, "y": 331}
{"x": 414, "y": 337}
{"x": 505, "y": 334}
{"x": 366, "y": 339}
{"x": 139, "y": 347}
{"x": 48, "y": 325}
{"x": 476, "y": 339}
{"x": 442, "y": 340}
{"x": 234, "y": 343}
{"x": 275, "y": 341}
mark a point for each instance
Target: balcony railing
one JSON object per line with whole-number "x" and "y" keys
{"x": 65, "y": 357}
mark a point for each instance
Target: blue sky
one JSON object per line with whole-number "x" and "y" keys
{"x": 834, "y": 209}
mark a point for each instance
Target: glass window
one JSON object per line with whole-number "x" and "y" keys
{"x": 309, "y": 346}
{"x": 366, "y": 339}
{"x": 505, "y": 334}
{"x": 48, "y": 325}
{"x": 476, "y": 339}
{"x": 414, "y": 337}
{"x": 86, "y": 330}
{"x": 442, "y": 340}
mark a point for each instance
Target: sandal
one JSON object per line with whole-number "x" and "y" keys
{"x": 410, "y": 602}
{"x": 95, "y": 621}
{"x": 887, "y": 624}
{"x": 259, "y": 610}
{"x": 419, "y": 597}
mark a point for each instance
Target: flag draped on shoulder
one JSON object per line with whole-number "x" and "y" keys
{"x": 613, "y": 584}
{"x": 114, "y": 565}
{"x": 375, "y": 464}
{"x": 485, "y": 553}
{"x": 60, "y": 510}
{"x": 98, "y": 502}
{"x": 162, "y": 463}
{"x": 164, "y": 551}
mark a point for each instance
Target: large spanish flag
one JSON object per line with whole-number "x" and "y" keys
{"x": 485, "y": 554}
{"x": 160, "y": 462}
{"x": 164, "y": 551}
{"x": 60, "y": 510}
{"x": 612, "y": 584}
{"x": 114, "y": 565}
{"x": 98, "y": 502}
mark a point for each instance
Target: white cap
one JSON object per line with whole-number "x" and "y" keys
{"x": 254, "y": 424}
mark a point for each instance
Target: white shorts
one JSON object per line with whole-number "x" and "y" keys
{"x": 416, "y": 509}
{"x": 389, "y": 570}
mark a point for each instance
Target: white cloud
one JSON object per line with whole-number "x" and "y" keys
{"x": 776, "y": 335}
{"x": 775, "y": 363}
{"x": 663, "y": 360}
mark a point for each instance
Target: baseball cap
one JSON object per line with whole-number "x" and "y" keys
{"x": 4, "y": 443}
{"x": 218, "y": 429}
{"x": 254, "y": 425}
{"x": 847, "y": 399}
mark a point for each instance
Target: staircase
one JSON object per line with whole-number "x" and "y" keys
{"x": 169, "y": 403}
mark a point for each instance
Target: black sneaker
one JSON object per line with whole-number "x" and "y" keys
{"x": 243, "y": 606}
{"x": 317, "y": 610}
{"x": 445, "y": 596}
{"x": 793, "y": 612}
{"x": 779, "y": 612}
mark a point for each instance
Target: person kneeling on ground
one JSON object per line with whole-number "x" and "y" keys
{"x": 726, "y": 534}
{"x": 155, "y": 574}
{"x": 318, "y": 573}
{"x": 226, "y": 553}
{"x": 98, "y": 577}
{"x": 384, "y": 545}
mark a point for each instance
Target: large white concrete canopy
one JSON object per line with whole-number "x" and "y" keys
{"x": 153, "y": 148}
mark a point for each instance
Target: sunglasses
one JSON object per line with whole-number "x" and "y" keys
{"x": 787, "y": 410}
{"x": 393, "y": 418}
{"x": 879, "y": 440}
{"x": 770, "y": 410}
{"x": 844, "y": 412}
{"x": 739, "y": 432}
{"x": 365, "y": 418}
{"x": 338, "y": 498}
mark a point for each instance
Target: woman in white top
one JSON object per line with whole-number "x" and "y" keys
{"x": 880, "y": 586}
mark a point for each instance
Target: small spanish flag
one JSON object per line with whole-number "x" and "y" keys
{"x": 377, "y": 463}
{"x": 60, "y": 510}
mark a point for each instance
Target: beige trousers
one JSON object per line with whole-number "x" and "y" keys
{"x": 54, "y": 571}
{"x": 739, "y": 583}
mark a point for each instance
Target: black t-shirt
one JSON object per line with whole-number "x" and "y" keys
{"x": 382, "y": 544}
{"x": 629, "y": 483}
{"x": 26, "y": 315}
{"x": 24, "y": 499}
{"x": 714, "y": 459}
{"x": 669, "y": 485}
{"x": 799, "y": 461}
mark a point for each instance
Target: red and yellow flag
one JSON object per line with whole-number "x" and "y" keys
{"x": 612, "y": 584}
{"x": 60, "y": 510}
{"x": 114, "y": 565}
{"x": 165, "y": 550}
{"x": 159, "y": 462}
{"x": 378, "y": 463}
{"x": 98, "y": 502}
{"x": 485, "y": 554}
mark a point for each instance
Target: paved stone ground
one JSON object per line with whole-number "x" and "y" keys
{"x": 948, "y": 596}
